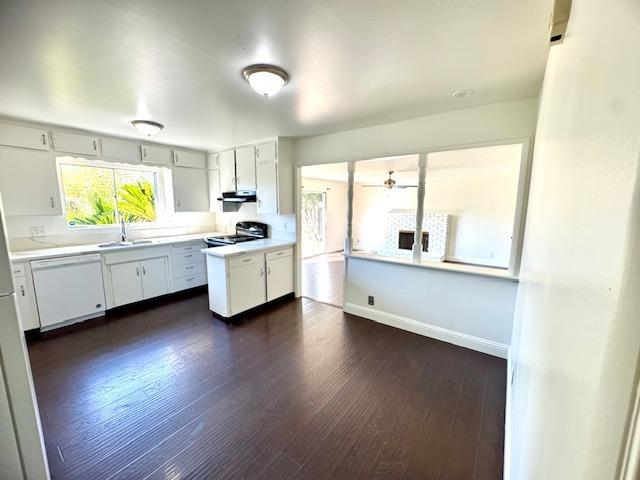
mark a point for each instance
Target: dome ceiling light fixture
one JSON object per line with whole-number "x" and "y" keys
{"x": 462, "y": 93}
{"x": 147, "y": 127}
{"x": 265, "y": 79}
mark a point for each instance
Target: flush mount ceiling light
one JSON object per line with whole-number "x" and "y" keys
{"x": 147, "y": 127}
{"x": 462, "y": 93}
{"x": 267, "y": 80}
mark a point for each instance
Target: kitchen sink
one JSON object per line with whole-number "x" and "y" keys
{"x": 125, "y": 244}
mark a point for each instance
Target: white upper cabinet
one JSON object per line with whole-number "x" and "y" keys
{"x": 190, "y": 190}
{"x": 246, "y": 168}
{"x": 274, "y": 178}
{"x": 213, "y": 161}
{"x": 227, "y": 162}
{"x": 121, "y": 150}
{"x": 157, "y": 155}
{"x": 74, "y": 143}
{"x": 29, "y": 182}
{"x": 25, "y": 137}
{"x": 186, "y": 158}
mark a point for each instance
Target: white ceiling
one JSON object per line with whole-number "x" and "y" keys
{"x": 96, "y": 64}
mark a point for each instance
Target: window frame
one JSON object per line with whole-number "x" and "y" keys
{"x": 161, "y": 184}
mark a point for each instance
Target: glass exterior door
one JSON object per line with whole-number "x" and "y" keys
{"x": 314, "y": 218}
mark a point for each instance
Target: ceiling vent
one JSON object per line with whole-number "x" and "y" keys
{"x": 558, "y": 21}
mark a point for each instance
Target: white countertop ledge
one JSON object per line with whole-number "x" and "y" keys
{"x": 451, "y": 267}
{"x": 65, "y": 251}
{"x": 248, "y": 247}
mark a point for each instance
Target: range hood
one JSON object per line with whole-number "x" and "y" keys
{"x": 232, "y": 201}
{"x": 240, "y": 196}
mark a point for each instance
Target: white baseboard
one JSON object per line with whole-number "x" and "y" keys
{"x": 507, "y": 420}
{"x": 461, "y": 339}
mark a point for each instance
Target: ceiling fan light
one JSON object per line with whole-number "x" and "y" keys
{"x": 266, "y": 80}
{"x": 147, "y": 127}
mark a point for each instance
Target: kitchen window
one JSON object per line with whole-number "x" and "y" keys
{"x": 102, "y": 194}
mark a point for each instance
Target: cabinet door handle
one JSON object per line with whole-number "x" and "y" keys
{"x": 144, "y": 271}
{"x": 95, "y": 146}
{"x": 44, "y": 139}
{"x": 144, "y": 152}
{"x": 179, "y": 203}
{"x": 51, "y": 202}
{"x": 261, "y": 272}
{"x": 22, "y": 292}
{"x": 268, "y": 270}
{"x": 137, "y": 271}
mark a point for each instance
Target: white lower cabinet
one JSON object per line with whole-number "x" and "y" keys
{"x": 155, "y": 281}
{"x": 135, "y": 281}
{"x": 126, "y": 284}
{"x": 279, "y": 273}
{"x": 25, "y": 296}
{"x": 242, "y": 282}
{"x": 247, "y": 286}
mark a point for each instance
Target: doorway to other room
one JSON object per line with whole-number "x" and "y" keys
{"x": 323, "y": 214}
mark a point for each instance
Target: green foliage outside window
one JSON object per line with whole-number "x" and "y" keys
{"x": 102, "y": 196}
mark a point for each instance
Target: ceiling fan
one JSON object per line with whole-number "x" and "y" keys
{"x": 390, "y": 184}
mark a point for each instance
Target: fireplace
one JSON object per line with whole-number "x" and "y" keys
{"x": 406, "y": 238}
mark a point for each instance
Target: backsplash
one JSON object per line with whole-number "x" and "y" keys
{"x": 280, "y": 226}
{"x": 59, "y": 234}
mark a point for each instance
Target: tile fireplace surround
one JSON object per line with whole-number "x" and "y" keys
{"x": 437, "y": 224}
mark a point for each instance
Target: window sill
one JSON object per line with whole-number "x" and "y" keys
{"x": 451, "y": 267}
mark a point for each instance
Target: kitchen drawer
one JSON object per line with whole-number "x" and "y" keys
{"x": 189, "y": 281}
{"x": 285, "y": 252}
{"x": 246, "y": 259}
{"x": 18, "y": 269}
{"x": 178, "y": 248}
{"x": 189, "y": 269}
{"x": 187, "y": 258}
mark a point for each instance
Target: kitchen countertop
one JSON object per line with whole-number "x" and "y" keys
{"x": 42, "y": 253}
{"x": 246, "y": 247}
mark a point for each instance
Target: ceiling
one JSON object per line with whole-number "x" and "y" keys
{"x": 97, "y": 64}
{"x": 405, "y": 167}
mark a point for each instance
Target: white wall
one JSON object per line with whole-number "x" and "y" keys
{"x": 481, "y": 199}
{"x": 336, "y": 195}
{"x": 471, "y": 308}
{"x": 497, "y": 121}
{"x": 576, "y": 333}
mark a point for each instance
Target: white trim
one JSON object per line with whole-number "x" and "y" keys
{"x": 457, "y": 338}
{"x": 506, "y": 474}
{"x": 479, "y": 262}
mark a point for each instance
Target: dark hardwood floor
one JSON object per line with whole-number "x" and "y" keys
{"x": 300, "y": 390}
{"x": 322, "y": 278}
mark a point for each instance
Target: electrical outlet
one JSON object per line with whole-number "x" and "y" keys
{"x": 371, "y": 300}
{"x": 38, "y": 231}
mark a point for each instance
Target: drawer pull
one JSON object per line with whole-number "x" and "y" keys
{"x": 190, "y": 267}
{"x": 191, "y": 279}
{"x": 246, "y": 260}
{"x": 280, "y": 253}
{"x": 189, "y": 256}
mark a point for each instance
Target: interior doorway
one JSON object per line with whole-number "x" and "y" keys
{"x": 323, "y": 220}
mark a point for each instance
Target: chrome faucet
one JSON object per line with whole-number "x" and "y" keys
{"x": 123, "y": 229}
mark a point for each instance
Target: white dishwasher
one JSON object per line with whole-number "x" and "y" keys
{"x": 68, "y": 288}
